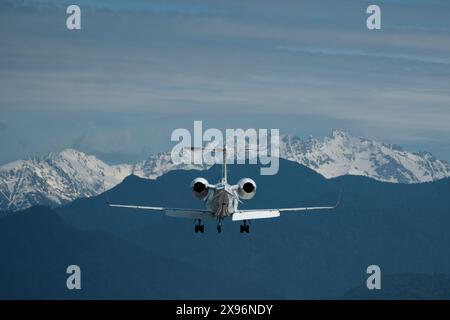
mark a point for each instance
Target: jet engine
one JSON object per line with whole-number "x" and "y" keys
{"x": 247, "y": 188}
{"x": 199, "y": 187}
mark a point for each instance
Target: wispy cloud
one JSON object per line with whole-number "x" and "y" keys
{"x": 134, "y": 6}
{"x": 229, "y": 60}
{"x": 367, "y": 54}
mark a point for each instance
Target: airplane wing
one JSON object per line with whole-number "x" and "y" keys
{"x": 270, "y": 213}
{"x": 172, "y": 212}
{"x": 273, "y": 213}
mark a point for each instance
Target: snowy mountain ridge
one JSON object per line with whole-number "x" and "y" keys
{"x": 342, "y": 154}
{"x": 59, "y": 178}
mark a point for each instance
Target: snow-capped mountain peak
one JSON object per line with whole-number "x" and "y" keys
{"x": 343, "y": 154}
{"x": 56, "y": 178}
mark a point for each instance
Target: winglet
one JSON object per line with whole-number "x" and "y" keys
{"x": 339, "y": 198}
{"x": 106, "y": 193}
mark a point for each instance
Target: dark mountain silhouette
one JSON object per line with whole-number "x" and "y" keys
{"x": 37, "y": 247}
{"x": 401, "y": 228}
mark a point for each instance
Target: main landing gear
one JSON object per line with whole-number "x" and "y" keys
{"x": 199, "y": 227}
{"x": 245, "y": 227}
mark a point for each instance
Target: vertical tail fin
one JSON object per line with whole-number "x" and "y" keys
{"x": 224, "y": 178}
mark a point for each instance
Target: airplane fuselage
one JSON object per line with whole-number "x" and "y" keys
{"x": 222, "y": 200}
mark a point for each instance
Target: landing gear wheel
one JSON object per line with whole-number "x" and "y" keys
{"x": 199, "y": 227}
{"x": 219, "y": 228}
{"x": 245, "y": 227}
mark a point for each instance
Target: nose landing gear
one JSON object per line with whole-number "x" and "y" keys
{"x": 219, "y": 226}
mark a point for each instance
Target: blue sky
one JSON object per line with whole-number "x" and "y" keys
{"x": 139, "y": 69}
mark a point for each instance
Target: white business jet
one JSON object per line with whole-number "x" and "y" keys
{"x": 221, "y": 201}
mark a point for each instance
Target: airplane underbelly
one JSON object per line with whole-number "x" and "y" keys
{"x": 222, "y": 204}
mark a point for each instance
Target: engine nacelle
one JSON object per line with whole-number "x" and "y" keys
{"x": 199, "y": 187}
{"x": 247, "y": 188}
